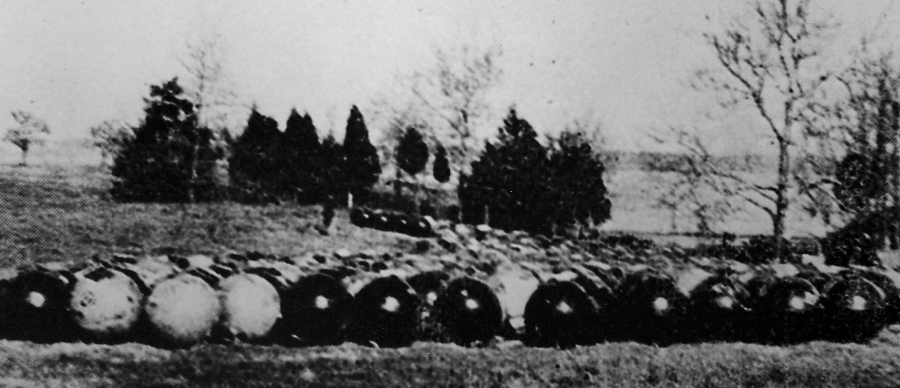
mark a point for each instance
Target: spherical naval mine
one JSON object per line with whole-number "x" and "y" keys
{"x": 361, "y": 217}
{"x": 469, "y": 311}
{"x": 250, "y": 306}
{"x": 183, "y": 310}
{"x": 559, "y": 313}
{"x": 106, "y": 305}
{"x": 789, "y": 311}
{"x": 649, "y": 309}
{"x": 514, "y": 286}
{"x": 37, "y": 307}
{"x": 385, "y": 313}
{"x": 717, "y": 310}
{"x": 315, "y": 310}
{"x": 855, "y": 309}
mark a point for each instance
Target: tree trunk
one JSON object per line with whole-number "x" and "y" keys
{"x": 24, "y": 157}
{"x": 398, "y": 190}
{"x": 781, "y": 196}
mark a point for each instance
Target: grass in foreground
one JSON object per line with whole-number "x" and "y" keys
{"x": 816, "y": 364}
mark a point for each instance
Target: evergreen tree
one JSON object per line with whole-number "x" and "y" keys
{"x": 170, "y": 158}
{"x": 362, "y": 166}
{"x": 253, "y": 167}
{"x": 441, "y": 167}
{"x": 523, "y": 187}
{"x": 331, "y": 179}
{"x": 412, "y": 152}
{"x": 579, "y": 194}
{"x": 510, "y": 181}
{"x": 298, "y": 158}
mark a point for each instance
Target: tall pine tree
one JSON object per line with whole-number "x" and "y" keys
{"x": 441, "y": 166}
{"x": 170, "y": 158}
{"x": 253, "y": 167}
{"x": 362, "y": 167}
{"x": 510, "y": 181}
{"x": 298, "y": 159}
{"x": 331, "y": 180}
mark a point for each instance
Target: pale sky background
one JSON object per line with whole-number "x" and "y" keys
{"x": 76, "y": 63}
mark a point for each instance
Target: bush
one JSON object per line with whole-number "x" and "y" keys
{"x": 523, "y": 188}
{"x": 169, "y": 158}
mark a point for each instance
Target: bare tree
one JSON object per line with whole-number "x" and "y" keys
{"x": 109, "y": 137}
{"x": 207, "y": 85}
{"x": 694, "y": 183}
{"x": 30, "y": 132}
{"x": 862, "y": 147}
{"x": 769, "y": 59}
{"x": 450, "y": 100}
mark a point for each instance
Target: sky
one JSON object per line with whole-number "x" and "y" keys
{"x": 77, "y": 63}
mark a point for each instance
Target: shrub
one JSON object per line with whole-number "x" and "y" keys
{"x": 412, "y": 152}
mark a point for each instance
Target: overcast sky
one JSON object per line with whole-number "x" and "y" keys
{"x": 76, "y": 63}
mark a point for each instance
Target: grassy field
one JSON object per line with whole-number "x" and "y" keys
{"x": 816, "y": 364}
{"x": 58, "y": 210}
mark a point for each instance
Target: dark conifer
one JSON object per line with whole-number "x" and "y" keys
{"x": 441, "y": 168}
{"x": 170, "y": 158}
{"x": 253, "y": 166}
{"x": 298, "y": 159}
{"x": 362, "y": 166}
{"x": 412, "y": 152}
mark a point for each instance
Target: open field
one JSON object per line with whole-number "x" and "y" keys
{"x": 58, "y": 210}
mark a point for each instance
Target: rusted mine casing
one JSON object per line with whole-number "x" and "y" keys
{"x": 315, "y": 311}
{"x": 855, "y": 308}
{"x": 560, "y": 313}
{"x": 469, "y": 311}
{"x": 513, "y": 285}
{"x": 37, "y": 306}
{"x": 251, "y": 306}
{"x": 105, "y": 305}
{"x": 649, "y": 308}
{"x": 384, "y": 313}
{"x": 183, "y": 310}
{"x": 718, "y": 308}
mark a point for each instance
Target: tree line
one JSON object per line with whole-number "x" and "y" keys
{"x": 517, "y": 183}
